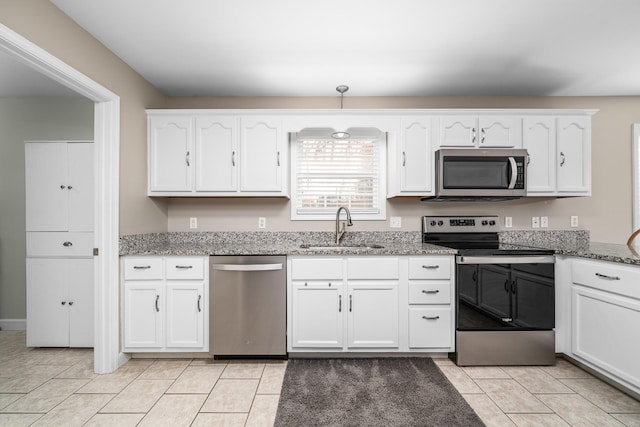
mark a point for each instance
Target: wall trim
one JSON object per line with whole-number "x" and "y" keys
{"x": 107, "y": 355}
{"x": 635, "y": 156}
{"x": 13, "y": 324}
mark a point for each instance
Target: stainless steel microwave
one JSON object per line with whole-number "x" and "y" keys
{"x": 481, "y": 173}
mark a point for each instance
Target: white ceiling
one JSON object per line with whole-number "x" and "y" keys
{"x": 377, "y": 47}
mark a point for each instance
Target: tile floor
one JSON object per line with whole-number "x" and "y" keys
{"x": 57, "y": 387}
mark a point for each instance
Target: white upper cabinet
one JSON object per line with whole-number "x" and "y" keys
{"x": 412, "y": 172}
{"x": 170, "y": 154}
{"x": 59, "y": 186}
{"x": 202, "y": 154}
{"x": 539, "y": 139}
{"x": 573, "y": 155}
{"x": 479, "y": 131}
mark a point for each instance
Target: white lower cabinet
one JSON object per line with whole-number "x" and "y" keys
{"x": 362, "y": 304}
{"x": 165, "y": 304}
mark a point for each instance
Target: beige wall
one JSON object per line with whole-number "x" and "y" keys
{"x": 607, "y": 214}
{"x": 28, "y": 119}
{"x": 45, "y": 25}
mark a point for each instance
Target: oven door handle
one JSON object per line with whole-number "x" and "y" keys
{"x": 515, "y": 259}
{"x": 514, "y": 173}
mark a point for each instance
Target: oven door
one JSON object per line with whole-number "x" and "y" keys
{"x": 481, "y": 173}
{"x": 497, "y": 293}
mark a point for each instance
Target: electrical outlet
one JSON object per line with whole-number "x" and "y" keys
{"x": 574, "y": 221}
{"x": 395, "y": 222}
{"x": 508, "y": 222}
{"x": 193, "y": 222}
{"x": 535, "y": 222}
{"x": 544, "y": 221}
{"x": 262, "y": 222}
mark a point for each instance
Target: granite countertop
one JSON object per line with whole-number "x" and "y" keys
{"x": 563, "y": 242}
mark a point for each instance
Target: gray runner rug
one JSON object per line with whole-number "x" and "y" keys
{"x": 370, "y": 392}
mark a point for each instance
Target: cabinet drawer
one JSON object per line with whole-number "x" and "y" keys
{"x": 62, "y": 243}
{"x": 607, "y": 276}
{"x": 436, "y": 292}
{"x": 430, "y": 328}
{"x": 316, "y": 268}
{"x": 142, "y": 268}
{"x": 373, "y": 268}
{"x": 430, "y": 267}
{"x": 184, "y": 268}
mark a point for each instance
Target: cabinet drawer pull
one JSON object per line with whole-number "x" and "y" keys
{"x": 431, "y": 267}
{"x": 430, "y": 317}
{"x": 184, "y": 267}
{"x": 199, "y": 298}
{"x": 141, "y": 267}
{"x": 430, "y": 292}
{"x": 604, "y": 276}
{"x": 157, "y": 299}
{"x": 67, "y": 244}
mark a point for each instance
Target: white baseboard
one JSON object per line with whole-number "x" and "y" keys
{"x": 13, "y": 324}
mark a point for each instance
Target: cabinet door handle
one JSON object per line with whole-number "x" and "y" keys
{"x": 430, "y": 292}
{"x": 187, "y": 158}
{"x": 604, "y": 276}
{"x": 157, "y": 299}
{"x": 141, "y": 267}
{"x": 483, "y": 136}
{"x": 233, "y": 158}
{"x": 404, "y": 158}
{"x": 562, "y": 159}
{"x": 67, "y": 244}
{"x": 473, "y": 137}
{"x": 528, "y": 159}
{"x": 506, "y": 286}
{"x": 184, "y": 267}
{"x": 278, "y": 159}
{"x": 199, "y": 298}
{"x": 350, "y": 303}
{"x": 430, "y": 267}
{"x": 513, "y": 287}
{"x": 474, "y": 276}
{"x": 430, "y": 317}
{"x": 339, "y": 303}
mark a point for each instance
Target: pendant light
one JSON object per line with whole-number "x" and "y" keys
{"x": 341, "y": 134}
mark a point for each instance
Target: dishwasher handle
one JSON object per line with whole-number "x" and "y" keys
{"x": 246, "y": 267}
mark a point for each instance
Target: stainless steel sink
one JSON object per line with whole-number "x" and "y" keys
{"x": 338, "y": 248}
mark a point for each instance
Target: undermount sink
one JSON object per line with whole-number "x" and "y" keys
{"x": 339, "y": 247}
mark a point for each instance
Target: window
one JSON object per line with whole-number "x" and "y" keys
{"x": 328, "y": 173}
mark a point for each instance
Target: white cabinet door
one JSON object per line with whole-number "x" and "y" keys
{"x": 605, "y": 332}
{"x": 574, "y": 155}
{"x": 48, "y": 299}
{"x": 170, "y": 154}
{"x": 416, "y": 156}
{"x": 216, "y": 153}
{"x": 497, "y": 131}
{"x": 458, "y": 131}
{"x": 317, "y": 310}
{"x": 372, "y": 309}
{"x": 262, "y": 156}
{"x": 80, "y": 186}
{"x": 81, "y": 302}
{"x": 185, "y": 314}
{"x": 539, "y": 139}
{"x": 143, "y": 314}
{"x": 46, "y": 181}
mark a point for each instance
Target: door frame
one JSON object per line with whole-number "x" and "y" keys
{"x": 106, "y": 356}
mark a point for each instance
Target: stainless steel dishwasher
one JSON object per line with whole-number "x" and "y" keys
{"x": 247, "y": 305}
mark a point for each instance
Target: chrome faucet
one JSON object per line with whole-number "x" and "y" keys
{"x": 340, "y": 232}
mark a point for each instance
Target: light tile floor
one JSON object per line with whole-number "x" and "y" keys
{"x": 57, "y": 387}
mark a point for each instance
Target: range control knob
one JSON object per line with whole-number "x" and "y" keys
{"x": 485, "y": 222}
{"x": 492, "y": 222}
{"x": 432, "y": 223}
{"x": 441, "y": 223}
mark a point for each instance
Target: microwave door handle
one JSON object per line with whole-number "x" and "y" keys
{"x": 514, "y": 173}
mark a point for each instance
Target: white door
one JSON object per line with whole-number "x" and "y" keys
{"x": 539, "y": 139}
{"x": 262, "y": 157}
{"x": 143, "y": 314}
{"x": 416, "y": 157}
{"x": 317, "y": 310}
{"x": 458, "y": 131}
{"x": 46, "y": 181}
{"x": 497, "y": 132}
{"x": 185, "y": 314}
{"x": 80, "y": 186}
{"x": 573, "y": 154}
{"x": 81, "y": 302}
{"x": 217, "y": 154}
{"x": 372, "y": 309}
{"x": 170, "y": 154}
{"x": 48, "y": 302}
